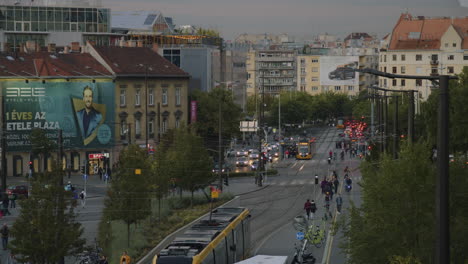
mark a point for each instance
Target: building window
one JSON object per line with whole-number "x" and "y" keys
{"x": 314, "y": 88}
{"x": 403, "y": 57}
{"x": 454, "y": 45}
{"x": 137, "y": 97}
{"x": 446, "y": 45}
{"x": 151, "y": 128}
{"x": 314, "y": 60}
{"x": 403, "y": 69}
{"x": 434, "y": 71}
{"x": 315, "y": 79}
{"x": 151, "y": 96}
{"x": 337, "y": 88}
{"x": 418, "y": 82}
{"x": 137, "y": 128}
{"x": 385, "y": 58}
{"x": 465, "y": 57}
{"x": 394, "y": 82}
{"x": 434, "y": 57}
{"x": 302, "y": 79}
{"x": 177, "y": 122}
{"x": 385, "y": 82}
{"x": 451, "y": 57}
{"x": 177, "y": 95}
{"x": 418, "y": 57}
{"x": 164, "y": 96}
{"x": 164, "y": 125}
{"x": 303, "y": 71}
{"x": 394, "y": 70}
{"x": 350, "y": 88}
{"x": 450, "y": 69}
{"x": 385, "y": 69}
{"x": 122, "y": 97}
{"x": 303, "y": 88}
{"x": 123, "y": 128}
{"x": 314, "y": 69}
{"x": 403, "y": 82}
{"x": 394, "y": 57}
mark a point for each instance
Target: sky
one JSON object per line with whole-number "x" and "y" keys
{"x": 299, "y": 18}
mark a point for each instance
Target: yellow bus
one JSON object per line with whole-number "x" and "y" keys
{"x": 305, "y": 149}
{"x": 223, "y": 239}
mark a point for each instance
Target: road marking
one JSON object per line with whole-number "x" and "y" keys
{"x": 302, "y": 167}
{"x": 295, "y": 163}
{"x": 282, "y": 183}
{"x": 294, "y": 182}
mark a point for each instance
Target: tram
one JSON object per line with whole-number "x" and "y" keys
{"x": 223, "y": 239}
{"x": 305, "y": 149}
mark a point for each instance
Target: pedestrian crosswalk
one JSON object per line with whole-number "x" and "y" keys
{"x": 297, "y": 182}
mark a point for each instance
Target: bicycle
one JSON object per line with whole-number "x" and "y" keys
{"x": 317, "y": 237}
{"x": 302, "y": 258}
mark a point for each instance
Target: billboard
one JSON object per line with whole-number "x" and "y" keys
{"x": 83, "y": 110}
{"x": 339, "y": 70}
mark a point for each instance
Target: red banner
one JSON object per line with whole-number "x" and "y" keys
{"x": 193, "y": 112}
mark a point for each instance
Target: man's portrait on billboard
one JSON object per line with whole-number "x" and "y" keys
{"x": 89, "y": 115}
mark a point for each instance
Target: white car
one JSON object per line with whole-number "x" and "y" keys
{"x": 242, "y": 153}
{"x": 242, "y": 162}
{"x": 254, "y": 155}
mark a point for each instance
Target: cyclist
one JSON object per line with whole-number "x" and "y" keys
{"x": 349, "y": 183}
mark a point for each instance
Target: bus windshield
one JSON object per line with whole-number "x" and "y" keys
{"x": 303, "y": 149}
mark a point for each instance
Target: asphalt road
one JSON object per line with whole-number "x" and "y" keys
{"x": 274, "y": 207}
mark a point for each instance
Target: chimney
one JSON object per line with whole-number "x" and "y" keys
{"x": 66, "y": 50}
{"x": 155, "y": 47}
{"x": 75, "y": 47}
{"x": 140, "y": 43}
{"x": 51, "y": 47}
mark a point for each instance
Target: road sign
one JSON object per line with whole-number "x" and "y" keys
{"x": 215, "y": 194}
{"x": 300, "y": 235}
{"x": 137, "y": 171}
{"x": 85, "y": 176}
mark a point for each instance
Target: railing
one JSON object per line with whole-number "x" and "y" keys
{"x": 275, "y": 58}
{"x": 54, "y": 3}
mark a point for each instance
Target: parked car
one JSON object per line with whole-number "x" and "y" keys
{"x": 19, "y": 190}
{"x": 254, "y": 154}
{"x": 224, "y": 169}
{"x": 242, "y": 162}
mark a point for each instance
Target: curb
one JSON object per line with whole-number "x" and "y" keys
{"x": 265, "y": 186}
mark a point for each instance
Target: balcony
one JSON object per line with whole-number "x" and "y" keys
{"x": 434, "y": 62}
{"x": 275, "y": 59}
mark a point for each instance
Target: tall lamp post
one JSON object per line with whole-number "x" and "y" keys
{"x": 442, "y": 244}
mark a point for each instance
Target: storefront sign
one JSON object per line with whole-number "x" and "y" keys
{"x": 82, "y": 110}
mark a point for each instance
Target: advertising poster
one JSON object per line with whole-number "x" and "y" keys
{"x": 83, "y": 110}
{"x": 193, "y": 112}
{"x": 339, "y": 70}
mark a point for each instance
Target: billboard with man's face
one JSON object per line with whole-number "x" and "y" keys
{"x": 83, "y": 110}
{"x": 339, "y": 70}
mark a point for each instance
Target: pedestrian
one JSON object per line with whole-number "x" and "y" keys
{"x": 12, "y": 199}
{"x": 339, "y": 203}
{"x": 83, "y": 198}
{"x": 330, "y": 154}
{"x": 323, "y": 184}
{"x": 5, "y": 233}
{"x": 307, "y": 208}
{"x": 125, "y": 258}
{"x": 6, "y": 202}
{"x": 313, "y": 208}
{"x": 329, "y": 160}
{"x": 335, "y": 184}
{"x": 100, "y": 173}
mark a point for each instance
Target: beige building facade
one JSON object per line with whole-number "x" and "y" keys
{"x": 438, "y": 48}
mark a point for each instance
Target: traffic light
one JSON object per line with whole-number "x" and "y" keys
{"x": 316, "y": 179}
{"x": 31, "y": 167}
{"x": 83, "y": 169}
{"x": 226, "y": 181}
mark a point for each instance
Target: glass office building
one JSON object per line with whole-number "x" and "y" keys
{"x": 52, "y": 24}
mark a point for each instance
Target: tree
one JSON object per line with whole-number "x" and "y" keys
{"x": 397, "y": 214}
{"x": 129, "y": 197}
{"x": 46, "y": 229}
{"x": 161, "y": 169}
{"x": 190, "y": 162}
{"x": 41, "y": 145}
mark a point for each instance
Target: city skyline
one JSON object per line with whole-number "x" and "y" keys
{"x": 299, "y": 18}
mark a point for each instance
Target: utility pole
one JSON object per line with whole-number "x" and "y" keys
{"x": 442, "y": 186}
{"x": 279, "y": 116}
{"x": 372, "y": 113}
{"x": 4, "y": 146}
{"x": 219, "y": 147}
{"x": 385, "y": 128}
{"x": 146, "y": 109}
{"x": 395, "y": 129}
{"x": 411, "y": 117}
{"x": 60, "y": 154}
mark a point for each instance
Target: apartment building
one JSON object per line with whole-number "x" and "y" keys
{"x": 423, "y": 46}
{"x": 271, "y": 71}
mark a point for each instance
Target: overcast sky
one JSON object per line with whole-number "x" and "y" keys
{"x": 295, "y": 17}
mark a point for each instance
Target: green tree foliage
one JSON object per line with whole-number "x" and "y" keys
{"x": 458, "y": 111}
{"x": 160, "y": 174}
{"x": 190, "y": 163}
{"x": 129, "y": 197}
{"x": 207, "y": 124}
{"x": 398, "y": 211}
{"x": 46, "y": 229}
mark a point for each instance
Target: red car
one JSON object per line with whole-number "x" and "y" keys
{"x": 20, "y": 190}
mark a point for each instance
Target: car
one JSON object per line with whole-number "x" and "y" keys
{"x": 276, "y": 154}
{"x": 224, "y": 169}
{"x": 242, "y": 153}
{"x": 254, "y": 165}
{"x": 254, "y": 155}
{"x": 230, "y": 153}
{"x": 19, "y": 190}
{"x": 242, "y": 162}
